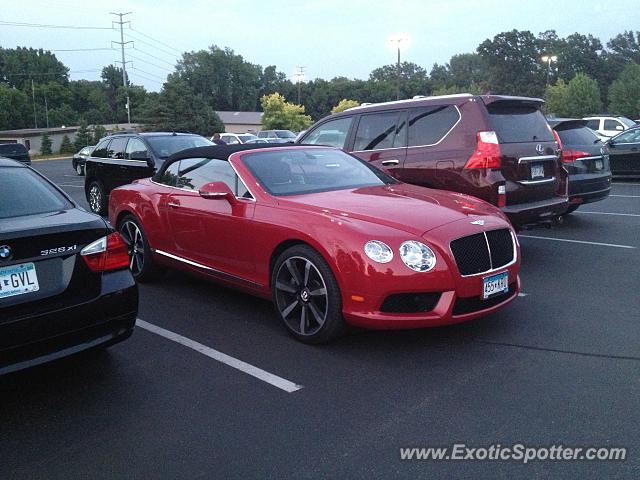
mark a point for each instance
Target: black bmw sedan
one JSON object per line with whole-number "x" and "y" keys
{"x": 65, "y": 285}
{"x": 586, "y": 159}
{"x": 624, "y": 151}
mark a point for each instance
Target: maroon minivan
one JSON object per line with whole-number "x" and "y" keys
{"x": 497, "y": 148}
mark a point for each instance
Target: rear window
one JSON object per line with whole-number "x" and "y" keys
{"x": 519, "y": 124}
{"x": 23, "y": 192}
{"x": 165, "y": 146}
{"x": 12, "y": 150}
{"x": 577, "y": 136}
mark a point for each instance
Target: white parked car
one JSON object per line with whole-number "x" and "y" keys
{"x": 606, "y": 126}
{"x": 235, "y": 138}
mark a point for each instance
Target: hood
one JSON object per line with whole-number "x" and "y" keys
{"x": 405, "y": 207}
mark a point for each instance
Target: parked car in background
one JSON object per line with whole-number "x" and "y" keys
{"x": 607, "y": 126}
{"x": 65, "y": 284}
{"x": 236, "y": 138}
{"x": 122, "y": 158}
{"x": 79, "y": 158}
{"x": 256, "y": 140}
{"x": 586, "y": 159}
{"x": 624, "y": 153}
{"x": 497, "y": 148}
{"x": 330, "y": 238}
{"x": 277, "y": 136}
{"x": 15, "y": 151}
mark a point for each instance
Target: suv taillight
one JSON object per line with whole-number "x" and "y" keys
{"x": 570, "y": 156}
{"x": 487, "y": 153}
{"x": 106, "y": 253}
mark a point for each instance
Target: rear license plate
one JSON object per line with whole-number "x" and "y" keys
{"x": 18, "y": 280}
{"x": 537, "y": 170}
{"x": 495, "y": 285}
{"x": 599, "y": 165}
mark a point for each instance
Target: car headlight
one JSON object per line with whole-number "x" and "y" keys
{"x": 417, "y": 256}
{"x": 378, "y": 251}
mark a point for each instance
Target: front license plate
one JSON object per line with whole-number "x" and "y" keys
{"x": 599, "y": 165}
{"x": 537, "y": 170}
{"x": 18, "y": 280}
{"x": 495, "y": 285}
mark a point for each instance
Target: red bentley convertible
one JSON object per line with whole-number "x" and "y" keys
{"x": 331, "y": 239}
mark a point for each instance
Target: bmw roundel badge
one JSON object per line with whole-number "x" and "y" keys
{"x": 5, "y": 252}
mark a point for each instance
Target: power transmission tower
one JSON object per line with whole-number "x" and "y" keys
{"x": 122, "y": 43}
{"x": 300, "y": 78}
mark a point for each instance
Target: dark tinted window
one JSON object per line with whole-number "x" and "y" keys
{"x": 193, "y": 173}
{"x": 429, "y": 125}
{"x": 166, "y": 145}
{"x": 12, "y": 150}
{"x": 285, "y": 134}
{"x": 519, "y": 123}
{"x": 333, "y": 133}
{"x": 137, "y": 147}
{"x": 23, "y": 192}
{"x": 632, "y": 136}
{"x": 577, "y": 136}
{"x": 117, "y": 146}
{"x": 294, "y": 172}
{"x": 378, "y": 131}
{"x": 170, "y": 176}
{"x": 101, "y": 149}
{"x": 613, "y": 125}
{"x": 593, "y": 124}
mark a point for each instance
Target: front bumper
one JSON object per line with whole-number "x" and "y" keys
{"x": 45, "y": 336}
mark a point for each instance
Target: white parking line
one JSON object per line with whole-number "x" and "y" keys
{"x": 626, "y": 196}
{"x": 609, "y": 213}
{"x": 65, "y": 185}
{"x": 578, "y": 241}
{"x": 247, "y": 368}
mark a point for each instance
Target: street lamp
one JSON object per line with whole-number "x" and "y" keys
{"x": 548, "y": 59}
{"x": 397, "y": 41}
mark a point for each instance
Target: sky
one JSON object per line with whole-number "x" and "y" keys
{"x": 328, "y": 38}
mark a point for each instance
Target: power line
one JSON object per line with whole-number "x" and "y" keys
{"x": 148, "y": 79}
{"x": 153, "y": 39}
{"x": 153, "y": 56}
{"x": 122, "y": 43}
{"x": 43, "y": 25}
{"x": 80, "y": 49}
{"x": 150, "y": 44}
{"x": 147, "y": 73}
{"x": 150, "y": 63}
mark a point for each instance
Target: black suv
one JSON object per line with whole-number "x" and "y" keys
{"x": 124, "y": 157}
{"x": 15, "y": 151}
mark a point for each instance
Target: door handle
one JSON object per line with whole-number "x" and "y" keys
{"x": 388, "y": 163}
{"x": 173, "y": 205}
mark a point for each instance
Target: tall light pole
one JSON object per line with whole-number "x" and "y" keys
{"x": 299, "y": 76}
{"x": 122, "y": 43}
{"x": 548, "y": 59}
{"x": 397, "y": 41}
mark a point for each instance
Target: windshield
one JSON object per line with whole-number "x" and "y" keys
{"x": 23, "y": 192}
{"x": 246, "y": 138}
{"x": 12, "y": 149}
{"x": 285, "y": 134}
{"x": 166, "y": 145}
{"x": 627, "y": 121}
{"x": 294, "y": 172}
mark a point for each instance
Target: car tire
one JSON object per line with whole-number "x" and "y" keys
{"x": 97, "y": 198}
{"x": 141, "y": 263}
{"x": 79, "y": 169}
{"x": 306, "y": 295}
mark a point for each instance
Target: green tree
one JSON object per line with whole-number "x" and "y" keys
{"x": 626, "y": 45}
{"x": 83, "y": 137}
{"x": 15, "y": 111}
{"x": 66, "y": 146}
{"x": 582, "y": 96}
{"x": 45, "y": 145}
{"x": 344, "y": 104}
{"x": 624, "y": 93}
{"x": 278, "y": 114}
{"x": 556, "y": 99}
{"x": 98, "y": 133}
{"x": 414, "y": 80}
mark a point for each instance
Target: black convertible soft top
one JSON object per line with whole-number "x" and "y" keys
{"x": 220, "y": 152}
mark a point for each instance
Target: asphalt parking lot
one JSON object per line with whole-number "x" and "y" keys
{"x": 211, "y": 386}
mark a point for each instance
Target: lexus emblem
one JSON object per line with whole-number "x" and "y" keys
{"x": 539, "y": 149}
{"x": 5, "y": 252}
{"x": 477, "y": 222}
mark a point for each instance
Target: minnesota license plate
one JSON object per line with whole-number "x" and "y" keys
{"x": 599, "y": 165}
{"x": 495, "y": 285}
{"x": 18, "y": 280}
{"x": 537, "y": 170}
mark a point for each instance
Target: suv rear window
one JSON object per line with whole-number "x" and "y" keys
{"x": 23, "y": 192}
{"x": 577, "y": 135}
{"x": 166, "y": 145}
{"x": 519, "y": 123}
{"x": 12, "y": 150}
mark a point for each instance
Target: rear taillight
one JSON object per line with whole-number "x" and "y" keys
{"x": 107, "y": 253}
{"x": 487, "y": 154}
{"x": 502, "y": 195}
{"x": 569, "y": 156}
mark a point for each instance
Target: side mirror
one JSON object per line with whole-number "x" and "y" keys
{"x": 217, "y": 191}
